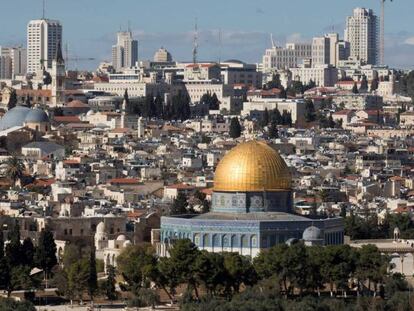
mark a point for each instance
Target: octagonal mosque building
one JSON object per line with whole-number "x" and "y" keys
{"x": 251, "y": 209}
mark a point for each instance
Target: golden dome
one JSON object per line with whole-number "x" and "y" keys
{"x": 252, "y": 166}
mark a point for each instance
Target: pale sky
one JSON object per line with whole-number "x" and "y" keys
{"x": 90, "y": 26}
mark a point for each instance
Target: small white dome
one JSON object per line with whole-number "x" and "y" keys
{"x": 126, "y": 243}
{"x": 100, "y": 228}
{"x": 121, "y": 238}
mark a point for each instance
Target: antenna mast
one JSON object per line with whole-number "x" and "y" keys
{"x": 195, "y": 43}
{"x": 44, "y": 9}
{"x": 220, "y": 45}
{"x": 272, "y": 41}
{"x": 382, "y": 43}
{"x": 382, "y": 35}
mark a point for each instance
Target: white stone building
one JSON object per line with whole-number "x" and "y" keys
{"x": 286, "y": 57}
{"x": 362, "y": 34}
{"x": 125, "y": 52}
{"x": 322, "y": 75}
{"x": 43, "y": 37}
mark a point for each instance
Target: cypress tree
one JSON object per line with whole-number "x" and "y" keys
{"x": 12, "y": 100}
{"x": 28, "y": 252}
{"x": 45, "y": 254}
{"x": 265, "y": 118}
{"x": 364, "y": 84}
{"x": 180, "y": 204}
{"x": 1, "y": 244}
{"x": 159, "y": 106}
{"x": 93, "y": 277}
{"x": 14, "y": 247}
{"x": 273, "y": 132}
{"x": 355, "y": 88}
{"x": 109, "y": 285}
{"x": 235, "y": 128}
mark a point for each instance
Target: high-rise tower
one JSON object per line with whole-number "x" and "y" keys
{"x": 125, "y": 52}
{"x": 362, "y": 34}
{"x": 43, "y": 37}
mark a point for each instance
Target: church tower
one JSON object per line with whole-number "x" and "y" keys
{"x": 124, "y": 108}
{"x": 58, "y": 78}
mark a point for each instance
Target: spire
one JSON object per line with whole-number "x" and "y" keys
{"x": 59, "y": 54}
{"x": 195, "y": 43}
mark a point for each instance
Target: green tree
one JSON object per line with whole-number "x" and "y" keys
{"x": 310, "y": 114}
{"x": 265, "y": 118}
{"x": 92, "y": 277}
{"x": 286, "y": 118}
{"x": 179, "y": 109}
{"x": 275, "y": 83}
{"x": 235, "y": 128}
{"x": 374, "y": 84}
{"x": 273, "y": 131}
{"x": 27, "y": 251}
{"x": 239, "y": 271}
{"x": 13, "y": 305}
{"x": 20, "y": 279}
{"x": 1, "y": 244}
{"x": 209, "y": 271}
{"x": 183, "y": 256}
{"x": 78, "y": 275}
{"x": 159, "y": 106}
{"x": 45, "y": 254}
{"x": 144, "y": 297}
{"x": 12, "y": 100}
{"x": 164, "y": 276}
{"x": 409, "y": 82}
{"x": 355, "y": 88}
{"x": 364, "y": 84}
{"x": 337, "y": 265}
{"x": 14, "y": 247}
{"x": 296, "y": 262}
{"x": 270, "y": 263}
{"x": 4, "y": 274}
{"x": 135, "y": 264}
{"x": 276, "y": 117}
{"x": 28, "y": 102}
{"x": 371, "y": 265}
{"x": 180, "y": 205}
{"x": 14, "y": 169}
{"x": 109, "y": 285}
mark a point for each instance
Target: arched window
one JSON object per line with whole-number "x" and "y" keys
{"x": 244, "y": 241}
{"x": 216, "y": 240}
{"x": 205, "y": 240}
{"x": 226, "y": 240}
{"x": 197, "y": 239}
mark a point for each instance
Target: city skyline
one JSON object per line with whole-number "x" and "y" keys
{"x": 242, "y": 38}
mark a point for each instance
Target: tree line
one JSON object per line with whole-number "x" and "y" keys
{"x": 369, "y": 227}
{"x": 77, "y": 275}
{"x": 291, "y": 271}
{"x": 18, "y": 259}
{"x": 154, "y": 107}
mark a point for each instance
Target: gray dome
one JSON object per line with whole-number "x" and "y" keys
{"x": 21, "y": 114}
{"x": 312, "y": 233}
{"x": 14, "y": 117}
{"x": 36, "y": 116}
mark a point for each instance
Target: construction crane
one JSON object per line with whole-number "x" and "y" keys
{"x": 382, "y": 35}
{"x": 75, "y": 58}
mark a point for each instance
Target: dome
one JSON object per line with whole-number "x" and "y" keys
{"x": 121, "y": 238}
{"x": 252, "y": 166}
{"x": 312, "y": 233}
{"x": 100, "y": 228}
{"x": 21, "y": 114}
{"x": 14, "y": 117}
{"x": 36, "y": 116}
